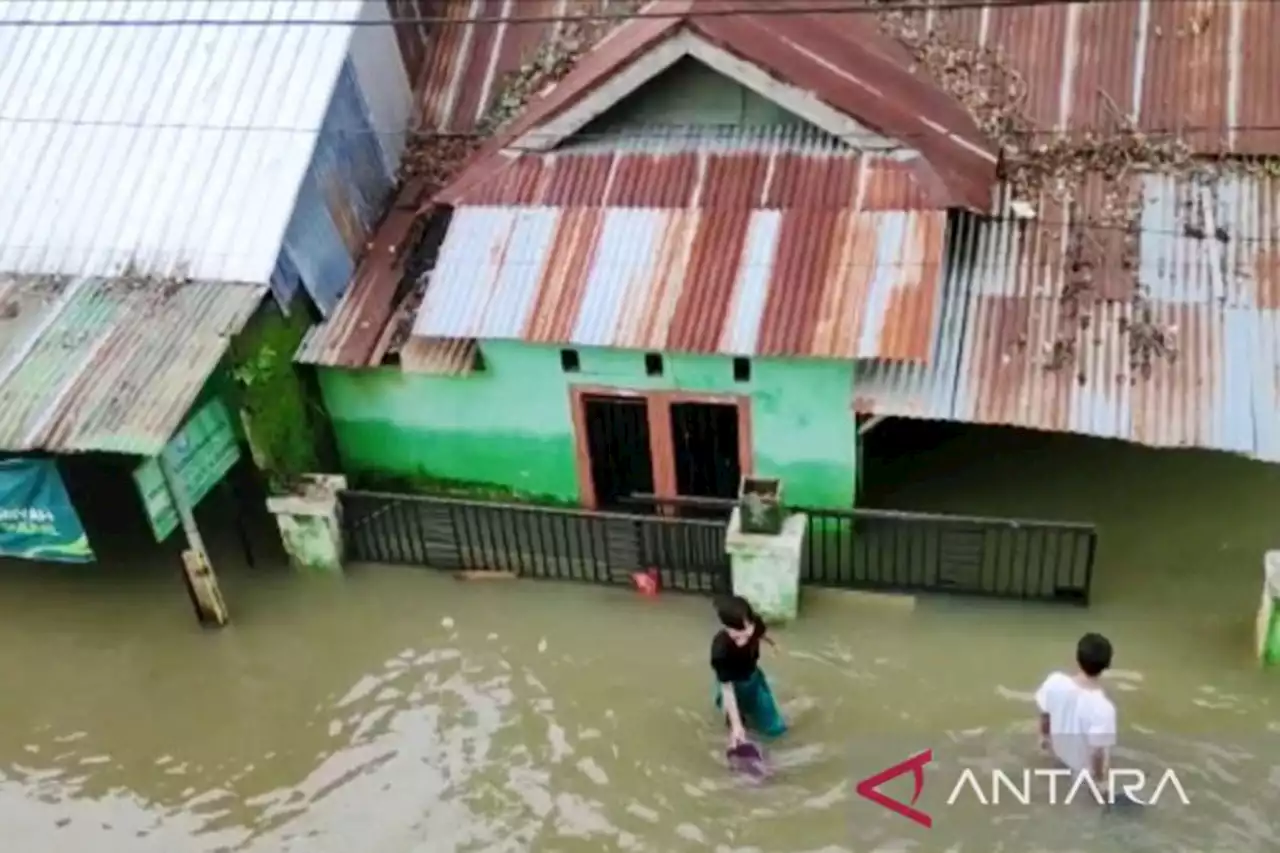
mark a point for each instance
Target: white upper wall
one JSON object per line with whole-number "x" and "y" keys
{"x": 163, "y": 147}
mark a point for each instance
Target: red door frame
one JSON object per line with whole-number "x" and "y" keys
{"x": 661, "y": 443}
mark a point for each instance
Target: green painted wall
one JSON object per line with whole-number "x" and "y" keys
{"x": 691, "y": 94}
{"x": 509, "y": 427}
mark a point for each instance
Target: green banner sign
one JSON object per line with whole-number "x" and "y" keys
{"x": 37, "y": 521}
{"x": 201, "y": 453}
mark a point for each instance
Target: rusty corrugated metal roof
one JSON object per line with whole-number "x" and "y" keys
{"x": 349, "y": 337}
{"x": 1206, "y": 274}
{"x": 1205, "y": 67}
{"x": 784, "y": 249}
{"x": 110, "y": 365}
{"x": 790, "y": 282}
{"x": 1205, "y": 64}
{"x": 843, "y": 62}
{"x": 672, "y": 166}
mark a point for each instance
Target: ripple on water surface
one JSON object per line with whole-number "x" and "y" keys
{"x": 404, "y": 712}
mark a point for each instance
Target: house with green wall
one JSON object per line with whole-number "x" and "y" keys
{"x": 662, "y": 274}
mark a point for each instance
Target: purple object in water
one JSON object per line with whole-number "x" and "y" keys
{"x": 748, "y": 758}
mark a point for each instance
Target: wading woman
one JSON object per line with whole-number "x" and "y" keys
{"x": 743, "y": 692}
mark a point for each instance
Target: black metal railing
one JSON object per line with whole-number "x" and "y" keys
{"x": 931, "y": 552}
{"x": 534, "y": 541}
{"x": 911, "y": 551}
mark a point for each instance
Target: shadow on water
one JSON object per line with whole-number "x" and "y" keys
{"x": 1185, "y": 529}
{"x": 399, "y": 711}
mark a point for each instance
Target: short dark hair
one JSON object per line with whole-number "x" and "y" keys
{"x": 1093, "y": 654}
{"x": 734, "y": 611}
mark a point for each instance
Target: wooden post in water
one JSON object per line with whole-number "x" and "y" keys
{"x": 203, "y": 583}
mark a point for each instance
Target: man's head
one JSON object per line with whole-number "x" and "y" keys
{"x": 737, "y": 617}
{"x": 1093, "y": 654}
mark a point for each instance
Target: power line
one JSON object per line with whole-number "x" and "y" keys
{"x": 619, "y": 136}
{"x": 864, "y": 7}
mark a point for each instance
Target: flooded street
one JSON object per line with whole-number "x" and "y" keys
{"x": 398, "y": 710}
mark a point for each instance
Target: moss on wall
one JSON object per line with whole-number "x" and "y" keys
{"x": 284, "y": 425}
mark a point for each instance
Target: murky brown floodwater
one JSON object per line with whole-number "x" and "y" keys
{"x": 398, "y": 710}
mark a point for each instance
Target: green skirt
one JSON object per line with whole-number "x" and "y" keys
{"x": 756, "y": 704}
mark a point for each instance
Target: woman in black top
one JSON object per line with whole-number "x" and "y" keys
{"x": 742, "y": 691}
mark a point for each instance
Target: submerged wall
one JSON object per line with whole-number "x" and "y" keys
{"x": 509, "y": 427}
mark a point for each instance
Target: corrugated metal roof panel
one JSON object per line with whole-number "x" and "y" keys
{"x": 843, "y": 63}
{"x": 164, "y": 149}
{"x": 109, "y": 365}
{"x": 690, "y": 280}
{"x": 1210, "y": 291}
{"x": 1205, "y": 65}
{"x": 349, "y": 337}
{"x": 739, "y": 168}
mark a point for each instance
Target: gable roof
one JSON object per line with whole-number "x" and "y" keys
{"x": 838, "y": 72}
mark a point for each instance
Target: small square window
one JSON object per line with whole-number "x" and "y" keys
{"x": 569, "y": 361}
{"x": 742, "y": 370}
{"x": 653, "y": 364}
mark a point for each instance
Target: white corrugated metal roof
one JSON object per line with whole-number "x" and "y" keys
{"x": 172, "y": 148}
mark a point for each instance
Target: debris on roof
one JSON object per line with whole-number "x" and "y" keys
{"x": 555, "y": 57}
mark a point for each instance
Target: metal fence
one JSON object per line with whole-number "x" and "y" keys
{"x": 909, "y": 551}
{"x": 929, "y": 552}
{"x": 849, "y": 549}
{"x": 533, "y": 541}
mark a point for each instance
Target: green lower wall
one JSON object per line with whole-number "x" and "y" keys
{"x": 508, "y": 428}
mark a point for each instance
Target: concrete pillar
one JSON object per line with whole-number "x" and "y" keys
{"x": 310, "y": 522}
{"x": 766, "y": 569}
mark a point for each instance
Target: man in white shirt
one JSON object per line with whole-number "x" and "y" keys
{"x": 1077, "y": 720}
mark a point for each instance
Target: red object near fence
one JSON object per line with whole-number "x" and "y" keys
{"x": 646, "y": 582}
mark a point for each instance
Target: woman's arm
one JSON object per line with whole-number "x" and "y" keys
{"x": 729, "y": 701}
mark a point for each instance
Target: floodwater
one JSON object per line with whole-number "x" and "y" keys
{"x": 397, "y": 710}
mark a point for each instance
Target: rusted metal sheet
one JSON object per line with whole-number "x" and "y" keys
{"x": 439, "y": 356}
{"x": 1206, "y": 278}
{"x": 843, "y": 62}
{"x": 825, "y": 283}
{"x": 768, "y": 167}
{"x": 1255, "y": 63}
{"x": 412, "y": 37}
{"x": 349, "y": 336}
{"x": 467, "y": 64}
{"x": 109, "y": 365}
{"x": 1203, "y": 68}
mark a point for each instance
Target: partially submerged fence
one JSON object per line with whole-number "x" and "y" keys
{"x": 911, "y": 551}
{"x": 534, "y": 541}
{"x": 849, "y": 549}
